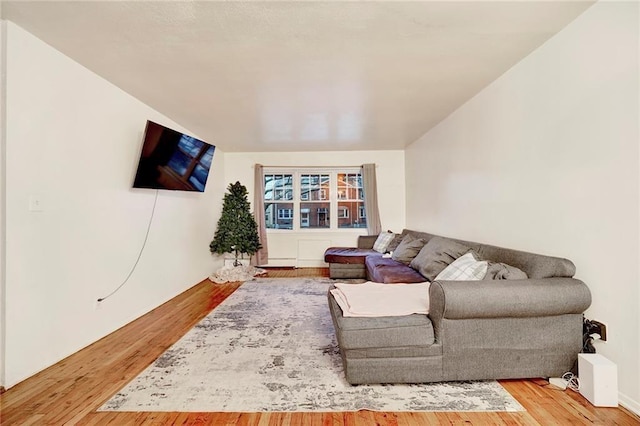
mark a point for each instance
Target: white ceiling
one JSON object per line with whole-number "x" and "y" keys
{"x": 298, "y": 76}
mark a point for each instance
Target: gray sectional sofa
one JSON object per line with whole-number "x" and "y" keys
{"x": 475, "y": 330}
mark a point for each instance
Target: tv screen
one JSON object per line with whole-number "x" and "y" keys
{"x": 173, "y": 160}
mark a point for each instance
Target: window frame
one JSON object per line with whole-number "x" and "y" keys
{"x": 288, "y": 216}
{"x": 343, "y": 212}
{"x": 298, "y": 198}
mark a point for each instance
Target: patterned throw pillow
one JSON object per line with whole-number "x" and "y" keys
{"x": 464, "y": 268}
{"x": 382, "y": 242}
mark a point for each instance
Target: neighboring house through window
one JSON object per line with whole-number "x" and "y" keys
{"x": 278, "y": 196}
{"x": 307, "y": 199}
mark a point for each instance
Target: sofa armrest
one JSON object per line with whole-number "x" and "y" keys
{"x": 507, "y": 298}
{"x": 366, "y": 241}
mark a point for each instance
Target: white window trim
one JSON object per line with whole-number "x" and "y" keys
{"x": 333, "y": 199}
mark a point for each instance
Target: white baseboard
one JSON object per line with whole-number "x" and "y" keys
{"x": 629, "y": 404}
{"x": 281, "y": 262}
{"x": 306, "y": 263}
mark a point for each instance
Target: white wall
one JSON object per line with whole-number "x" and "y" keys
{"x": 546, "y": 159}
{"x": 2, "y": 192}
{"x": 73, "y": 140}
{"x": 308, "y": 247}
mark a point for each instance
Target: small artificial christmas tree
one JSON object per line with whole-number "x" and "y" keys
{"x": 237, "y": 228}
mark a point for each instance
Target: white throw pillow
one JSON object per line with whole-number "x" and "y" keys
{"x": 383, "y": 241}
{"x": 464, "y": 268}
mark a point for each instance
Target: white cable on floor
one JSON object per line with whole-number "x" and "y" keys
{"x": 572, "y": 380}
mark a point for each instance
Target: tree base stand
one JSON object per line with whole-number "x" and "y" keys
{"x": 232, "y": 262}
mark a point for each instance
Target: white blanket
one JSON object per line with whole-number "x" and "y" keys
{"x": 382, "y": 300}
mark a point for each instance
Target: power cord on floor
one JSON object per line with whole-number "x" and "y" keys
{"x": 572, "y": 380}
{"x": 144, "y": 243}
{"x": 568, "y": 380}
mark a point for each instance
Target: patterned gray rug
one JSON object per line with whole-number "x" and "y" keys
{"x": 271, "y": 346}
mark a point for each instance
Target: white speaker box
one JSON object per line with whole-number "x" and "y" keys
{"x": 598, "y": 380}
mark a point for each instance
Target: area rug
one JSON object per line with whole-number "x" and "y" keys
{"x": 271, "y": 347}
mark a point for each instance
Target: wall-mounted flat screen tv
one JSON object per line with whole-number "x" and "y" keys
{"x": 173, "y": 160}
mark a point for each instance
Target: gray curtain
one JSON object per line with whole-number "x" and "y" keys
{"x": 262, "y": 256}
{"x": 370, "y": 186}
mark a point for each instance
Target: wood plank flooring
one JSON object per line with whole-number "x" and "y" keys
{"x": 71, "y": 391}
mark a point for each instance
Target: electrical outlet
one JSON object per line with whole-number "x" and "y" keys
{"x": 601, "y": 329}
{"x": 35, "y": 203}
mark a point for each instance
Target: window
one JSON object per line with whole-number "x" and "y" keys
{"x": 313, "y": 190}
{"x": 278, "y": 187}
{"x": 304, "y": 218}
{"x": 351, "y": 196}
{"x": 285, "y": 214}
{"x": 304, "y": 199}
{"x": 278, "y": 191}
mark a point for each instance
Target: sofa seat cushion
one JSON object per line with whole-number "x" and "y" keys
{"x": 348, "y": 255}
{"x": 347, "y": 271}
{"x": 386, "y": 270}
{"x": 381, "y": 332}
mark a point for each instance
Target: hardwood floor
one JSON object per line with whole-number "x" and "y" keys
{"x": 71, "y": 391}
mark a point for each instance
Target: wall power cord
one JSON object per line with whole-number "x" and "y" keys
{"x": 568, "y": 380}
{"x": 144, "y": 244}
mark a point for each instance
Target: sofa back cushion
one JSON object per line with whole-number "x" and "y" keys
{"x": 436, "y": 255}
{"x": 397, "y": 239}
{"x": 408, "y": 249}
{"x": 534, "y": 265}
